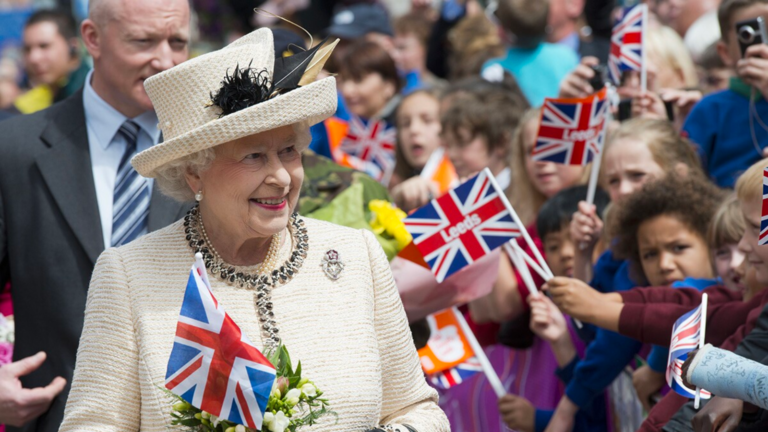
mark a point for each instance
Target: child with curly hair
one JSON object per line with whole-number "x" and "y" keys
{"x": 648, "y": 314}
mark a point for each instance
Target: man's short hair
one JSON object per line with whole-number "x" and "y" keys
{"x": 728, "y": 9}
{"x": 526, "y": 19}
{"x": 64, "y": 21}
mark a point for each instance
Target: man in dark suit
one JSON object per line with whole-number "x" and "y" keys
{"x": 67, "y": 192}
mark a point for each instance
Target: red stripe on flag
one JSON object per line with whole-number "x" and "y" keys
{"x": 184, "y": 375}
{"x": 449, "y": 377}
{"x": 244, "y": 407}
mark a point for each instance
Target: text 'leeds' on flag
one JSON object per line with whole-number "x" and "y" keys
{"x": 213, "y": 365}
{"x": 571, "y": 131}
{"x": 461, "y": 226}
{"x": 447, "y": 359}
{"x": 763, "y": 239}
{"x": 627, "y": 42}
{"x": 686, "y": 334}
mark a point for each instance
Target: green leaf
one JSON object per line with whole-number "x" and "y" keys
{"x": 298, "y": 370}
{"x": 293, "y": 381}
{"x": 285, "y": 360}
{"x": 190, "y": 422}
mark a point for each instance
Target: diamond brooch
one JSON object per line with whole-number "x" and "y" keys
{"x": 332, "y": 265}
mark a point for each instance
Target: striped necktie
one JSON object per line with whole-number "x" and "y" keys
{"x": 130, "y": 206}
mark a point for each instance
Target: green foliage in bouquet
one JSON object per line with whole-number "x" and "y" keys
{"x": 295, "y": 401}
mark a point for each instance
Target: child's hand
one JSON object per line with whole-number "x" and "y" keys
{"x": 684, "y": 100}
{"x": 576, "y": 84}
{"x": 413, "y": 193}
{"x": 649, "y": 105}
{"x": 586, "y": 227}
{"x": 753, "y": 68}
{"x": 647, "y": 383}
{"x": 517, "y": 413}
{"x": 574, "y": 297}
{"x": 547, "y": 322}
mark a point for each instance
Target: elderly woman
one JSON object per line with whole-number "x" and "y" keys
{"x": 328, "y": 295}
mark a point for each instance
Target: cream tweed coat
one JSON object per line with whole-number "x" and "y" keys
{"x": 351, "y": 335}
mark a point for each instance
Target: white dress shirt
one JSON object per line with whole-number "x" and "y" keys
{"x": 103, "y": 122}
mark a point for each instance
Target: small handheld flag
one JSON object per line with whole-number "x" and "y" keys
{"x": 763, "y": 238}
{"x": 687, "y": 334}
{"x": 453, "y": 354}
{"x": 440, "y": 171}
{"x": 627, "y": 42}
{"x": 571, "y": 131}
{"x": 213, "y": 365}
{"x": 369, "y": 146}
{"x": 448, "y": 358}
{"x": 461, "y": 226}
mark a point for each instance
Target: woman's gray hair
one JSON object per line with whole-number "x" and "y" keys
{"x": 171, "y": 177}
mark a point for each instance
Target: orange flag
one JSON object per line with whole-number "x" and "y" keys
{"x": 448, "y": 346}
{"x": 440, "y": 171}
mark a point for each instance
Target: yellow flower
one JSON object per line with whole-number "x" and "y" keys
{"x": 388, "y": 218}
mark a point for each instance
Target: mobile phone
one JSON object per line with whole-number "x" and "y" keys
{"x": 625, "y": 109}
{"x": 669, "y": 106}
{"x": 751, "y": 32}
{"x": 601, "y": 75}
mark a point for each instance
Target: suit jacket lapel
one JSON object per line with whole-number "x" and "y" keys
{"x": 66, "y": 169}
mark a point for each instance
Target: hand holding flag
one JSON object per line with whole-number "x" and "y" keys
{"x": 687, "y": 335}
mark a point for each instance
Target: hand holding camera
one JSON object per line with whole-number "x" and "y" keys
{"x": 577, "y": 83}
{"x": 753, "y": 67}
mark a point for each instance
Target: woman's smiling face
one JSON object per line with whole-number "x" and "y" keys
{"x": 252, "y": 186}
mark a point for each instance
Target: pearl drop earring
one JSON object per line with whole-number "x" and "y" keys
{"x": 199, "y": 196}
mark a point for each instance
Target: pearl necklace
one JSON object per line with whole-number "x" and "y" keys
{"x": 262, "y": 282}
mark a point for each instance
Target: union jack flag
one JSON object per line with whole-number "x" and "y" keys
{"x": 213, "y": 365}
{"x": 457, "y": 374}
{"x": 627, "y": 42}
{"x": 369, "y": 146}
{"x": 461, "y": 226}
{"x": 571, "y": 131}
{"x": 686, "y": 334}
{"x": 763, "y": 239}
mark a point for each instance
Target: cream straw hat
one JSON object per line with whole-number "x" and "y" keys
{"x": 182, "y": 99}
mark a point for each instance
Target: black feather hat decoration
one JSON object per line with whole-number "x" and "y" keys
{"x": 246, "y": 87}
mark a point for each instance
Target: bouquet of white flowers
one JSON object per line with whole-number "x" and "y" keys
{"x": 295, "y": 401}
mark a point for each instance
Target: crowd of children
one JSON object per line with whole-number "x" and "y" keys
{"x": 463, "y": 85}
